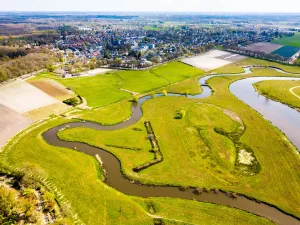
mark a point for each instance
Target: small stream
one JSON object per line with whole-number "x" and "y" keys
{"x": 289, "y": 123}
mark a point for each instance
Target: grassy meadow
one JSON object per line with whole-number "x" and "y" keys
{"x": 289, "y": 41}
{"x": 176, "y": 71}
{"x": 237, "y": 67}
{"x": 280, "y": 91}
{"x": 195, "y": 152}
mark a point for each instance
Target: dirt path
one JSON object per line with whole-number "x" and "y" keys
{"x": 291, "y": 90}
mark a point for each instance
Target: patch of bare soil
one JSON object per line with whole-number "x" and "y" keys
{"x": 53, "y": 89}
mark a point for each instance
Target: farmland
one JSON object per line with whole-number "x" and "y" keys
{"x": 280, "y": 91}
{"x": 289, "y": 41}
{"x": 286, "y": 51}
{"x": 264, "y": 47}
{"x": 212, "y": 60}
{"x": 201, "y": 149}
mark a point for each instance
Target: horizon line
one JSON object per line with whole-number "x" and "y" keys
{"x": 110, "y": 11}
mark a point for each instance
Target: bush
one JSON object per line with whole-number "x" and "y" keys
{"x": 165, "y": 93}
{"x": 50, "y": 68}
{"x": 71, "y": 101}
{"x": 182, "y": 113}
{"x": 135, "y": 99}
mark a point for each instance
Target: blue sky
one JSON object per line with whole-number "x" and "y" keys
{"x": 153, "y": 5}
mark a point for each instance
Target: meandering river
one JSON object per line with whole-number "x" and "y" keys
{"x": 285, "y": 118}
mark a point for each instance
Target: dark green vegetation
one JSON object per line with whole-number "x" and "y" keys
{"x": 201, "y": 149}
{"x": 286, "y": 51}
{"x": 287, "y": 92}
{"x": 289, "y": 40}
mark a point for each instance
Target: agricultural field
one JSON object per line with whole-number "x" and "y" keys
{"x": 287, "y": 92}
{"x": 214, "y": 143}
{"x": 265, "y": 47}
{"x": 18, "y": 96}
{"x": 289, "y": 41}
{"x": 237, "y": 67}
{"x": 212, "y": 60}
{"x": 53, "y": 88}
{"x": 286, "y": 51}
{"x": 11, "y": 123}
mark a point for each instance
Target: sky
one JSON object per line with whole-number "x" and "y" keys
{"x": 153, "y": 5}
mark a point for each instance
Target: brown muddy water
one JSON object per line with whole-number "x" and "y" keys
{"x": 116, "y": 179}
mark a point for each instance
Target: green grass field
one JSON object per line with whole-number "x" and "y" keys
{"x": 195, "y": 152}
{"x": 140, "y": 81}
{"x": 98, "y": 90}
{"x": 107, "y": 115}
{"x": 79, "y": 178}
{"x": 280, "y": 91}
{"x": 189, "y": 86}
{"x": 289, "y": 41}
{"x": 237, "y": 66}
{"x": 176, "y": 71}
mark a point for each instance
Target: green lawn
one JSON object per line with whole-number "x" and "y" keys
{"x": 140, "y": 81}
{"x": 280, "y": 91}
{"x": 289, "y": 41}
{"x": 176, "y": 71}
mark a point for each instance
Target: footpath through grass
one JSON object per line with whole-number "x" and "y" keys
{"x": 280, "y": 91}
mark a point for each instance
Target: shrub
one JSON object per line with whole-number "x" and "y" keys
{"x": 71, "y": 101}
{"x": 165, "y": 93}
{"x": 135, "y": 99}
{"x": 182, "y": 113}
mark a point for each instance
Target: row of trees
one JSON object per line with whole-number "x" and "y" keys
{"x": 256, "y": 54}
{"x": 7, "y": 53}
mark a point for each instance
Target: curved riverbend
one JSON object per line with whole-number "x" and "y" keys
{"x": 116, "y": 179}
{"x": 282, "y": 116}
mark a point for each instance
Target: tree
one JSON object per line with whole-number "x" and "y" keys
{"x": 50, "y": 68}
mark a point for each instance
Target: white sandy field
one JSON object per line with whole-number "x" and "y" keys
{"x": 22, "y": 97}
{"x": 212, "y": 60}
{"x": 16, "y": 100}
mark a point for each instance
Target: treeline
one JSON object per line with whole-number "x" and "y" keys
{"x": 11, "y": 53}
{"x": 38, "y": 38}
{"x": 256, "y": 54}
{"x": 24, "y": 65}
